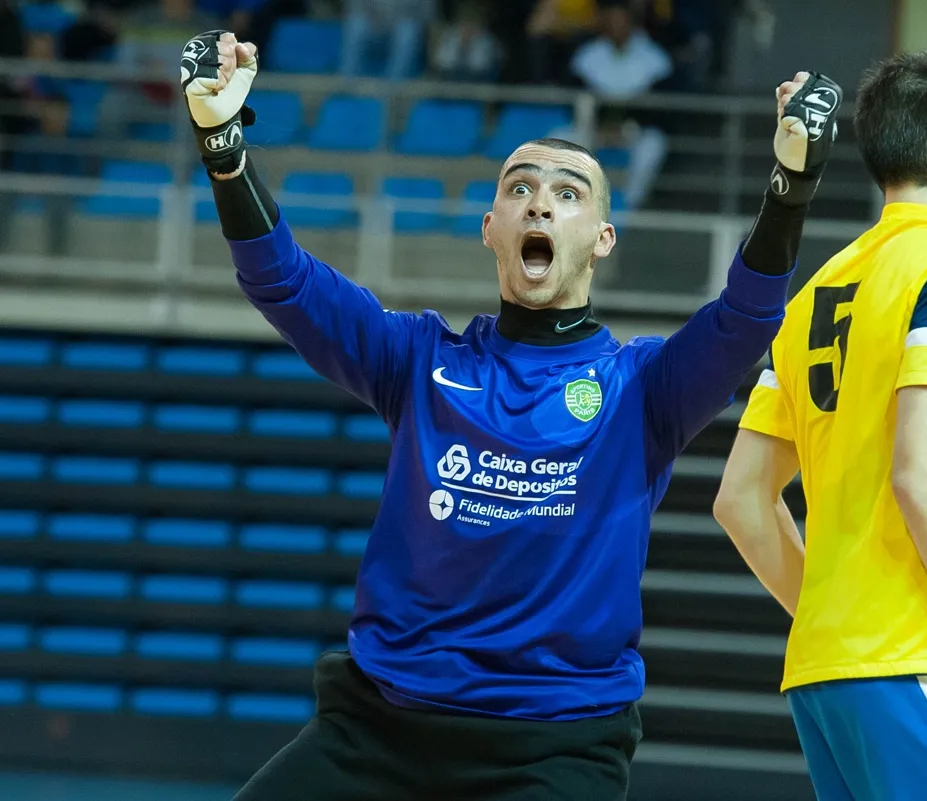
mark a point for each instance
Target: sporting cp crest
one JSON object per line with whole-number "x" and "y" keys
{"x": 583, "y": 399}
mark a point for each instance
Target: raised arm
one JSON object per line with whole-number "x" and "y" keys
{"x": 340, "y": 329}
{"x": 696, "y": 372}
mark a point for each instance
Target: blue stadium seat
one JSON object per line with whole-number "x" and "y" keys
{"x": 104, "y": 356}
{"x": 87, "y": 583}
{"x": 279, "y": 594}
{"x": 187, "y": 533}
{"x": 84, "y": 98}
{"x": 442, "y": 128}
{"x": 361, "y": 485}
{"x": 333, "y": 185}
{"x": 12, "y": 692}
{"x": 366, "y": 428}
{"x": 351, "y": 542}
{"x": 16, "y": 523}
{"x": 614, "y": 158}
{"x": 518, "y": 123}
{"x": 45, "y": 17}
{"x": 267, "y": 651}
{"x": 304, "y": 46}
{"x": 284, "y": 365}
{"x": 16, "y": 580}
{"x": 201, "y": 361}
{"x": 204, "y": 210}
{"x": 175, "y": 702}
{"x": 211, "y": 419}
{"x": 158, "y": 132}
{"x": 24, "y": 409}
{"x": 342, "y": 599}
{"x": 15, "y": 636}
{"x": 184, "y": 589}
{"x": 21, "y": 466}
{"x": 179, "y": 646}
{"x": 401, "y": 188}
{"x": 283, "y": 423}
{"x": 25, "y": 352}
{"x": 288, "y": 480}
{"x": 64, "y": 695}
{"x": 281, "y": 537}
{"x": 346, "y": 122}
{"x": 279, "y": 118}
{"x": 91, "y": 528}
{"x": 192, "y": 475}
{"x": 95, "y": 470}
{"x": 283, "y": 708}
{"x": 619, "y": 204}
{"x": 101, "y": 414}
{"x": 470, "y": 223}
{"x": 89, "y": 641}
{"x": 150, "y": 174}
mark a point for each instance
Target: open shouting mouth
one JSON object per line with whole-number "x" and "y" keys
{"x": 537, "y": 255}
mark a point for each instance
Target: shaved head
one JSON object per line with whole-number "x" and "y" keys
{"x": 603, "y": 190}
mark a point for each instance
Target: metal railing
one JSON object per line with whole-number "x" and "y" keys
{"x": 172, "y": 273}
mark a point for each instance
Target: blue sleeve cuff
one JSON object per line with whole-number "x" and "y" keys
{"x": 253, "y": 256}
{"x": 754, "y": 294}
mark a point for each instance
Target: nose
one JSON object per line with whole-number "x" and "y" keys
{"x": 540, "y": 207}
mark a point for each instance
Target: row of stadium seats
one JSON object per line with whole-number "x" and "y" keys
{"x": 332, "y": 186}
{"x": 173, "y": 701}
{"x": 273, "y": 363}
{"x": 180, "y": 589}
{"x": 182, "y": 646}
{"x": 347, "y": 123}
{"x": 188, "y": 475}
{"x": 35, "y": 410}
{"x": 296, "y": 45}
{"x": 93, "y": 529}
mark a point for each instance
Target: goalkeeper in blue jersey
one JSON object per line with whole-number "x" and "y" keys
{"x": 494, "y": 641}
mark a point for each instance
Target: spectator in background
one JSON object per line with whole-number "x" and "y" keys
{"x": 152, "y": 35}
{"x": 465, "y": 49}
{"x": 623, "y": 61}
{"x": 253, "y": 20}
{"x": 394, "y": 27}
{"x": 43, "y": 116}
{"x": 555, "y": 29}
{"x": 93, "y": 36}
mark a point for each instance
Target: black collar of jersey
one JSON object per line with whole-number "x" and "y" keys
{"x": 546, "y": 326}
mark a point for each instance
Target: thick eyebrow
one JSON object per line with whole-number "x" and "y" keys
{"x": 528, "y": 167}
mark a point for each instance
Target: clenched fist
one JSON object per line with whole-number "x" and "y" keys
{"x": 806, "y": 129}
{"x": 216, "y": 73}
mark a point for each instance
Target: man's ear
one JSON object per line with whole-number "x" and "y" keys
{"x": 606, "y": 241}
{"x": 487, "y": 239}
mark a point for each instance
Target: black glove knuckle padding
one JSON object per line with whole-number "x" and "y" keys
{"x": 816, "y": 104}
{"x": 200, "y": 59}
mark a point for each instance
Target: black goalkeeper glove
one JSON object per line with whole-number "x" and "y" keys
{"x": 807, "y": 129}
{"x": 216, "y": 75}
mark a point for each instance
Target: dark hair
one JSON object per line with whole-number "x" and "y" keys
{"x": 891, "y": 120}
{"x": 605, "y": 201}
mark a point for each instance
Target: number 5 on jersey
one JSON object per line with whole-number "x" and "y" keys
{"x": 826, "y": 329}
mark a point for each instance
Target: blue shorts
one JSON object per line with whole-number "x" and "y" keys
{"x": 864, "y": 740}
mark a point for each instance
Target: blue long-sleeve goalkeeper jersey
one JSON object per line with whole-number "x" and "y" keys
{"x": 503, "y": 572}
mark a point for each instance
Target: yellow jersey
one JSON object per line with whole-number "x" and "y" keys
{"x": 853, "y": 336}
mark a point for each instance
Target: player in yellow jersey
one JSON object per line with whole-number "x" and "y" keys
{"x": 844, "y": 401}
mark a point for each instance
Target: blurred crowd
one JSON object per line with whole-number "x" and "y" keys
{"x": 619, "y": 49}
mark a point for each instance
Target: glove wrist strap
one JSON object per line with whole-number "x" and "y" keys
{"x": 792, "y": 188}
{"x": 221, "y": 147}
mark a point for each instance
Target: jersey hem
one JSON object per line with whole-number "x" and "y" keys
{"x": 872, "y": 670}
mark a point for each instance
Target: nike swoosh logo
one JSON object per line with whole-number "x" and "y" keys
{"x": 438, "y": 376}
{"x": 561, "y": 328}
